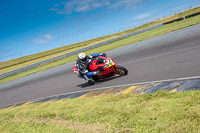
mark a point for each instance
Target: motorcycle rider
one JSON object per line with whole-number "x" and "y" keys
{"x": 83, "y": 66}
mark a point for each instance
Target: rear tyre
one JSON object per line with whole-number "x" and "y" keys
{"x": 121, "y": 70}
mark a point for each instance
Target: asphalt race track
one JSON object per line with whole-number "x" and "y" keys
{"x": 170, "y": 56}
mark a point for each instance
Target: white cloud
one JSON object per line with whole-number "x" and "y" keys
{"x": 159, "y": 13}
{"x": 83, "y": 5}
{"x": 43, "y": 39}
{"x": 142, "y": 16}
{"x": 82, "y": 8}
{"x": 145, "y": 15}
{"x": 40, "y": 41}
{"x": 180, "y": 8}
{"x": 48, "y": 37}
{"x": 88, "y": 5}
{"x": 129, "y": 4}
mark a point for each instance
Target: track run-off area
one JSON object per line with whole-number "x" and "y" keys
{"x": 169, "y": 56}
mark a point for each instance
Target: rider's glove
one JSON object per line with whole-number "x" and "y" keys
{"x": 96, "y": 72}
{"x": 103, "y": 54}
{"x": 90, "y": 57}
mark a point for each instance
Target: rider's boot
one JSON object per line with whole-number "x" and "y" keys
{"x": 89, "y": 80}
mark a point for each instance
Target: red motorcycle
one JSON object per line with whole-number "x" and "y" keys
{"x": 108, "y": 68}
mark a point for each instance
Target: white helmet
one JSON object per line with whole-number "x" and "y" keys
{"x": 82, "y": 57}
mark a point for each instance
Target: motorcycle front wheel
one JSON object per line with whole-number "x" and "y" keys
{"x": 121, "y": 70}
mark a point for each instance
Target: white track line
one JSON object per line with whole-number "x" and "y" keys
{"x": 150, "y": 82}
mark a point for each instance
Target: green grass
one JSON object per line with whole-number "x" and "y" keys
{"x": 120, "y": 43}
{"x": 159, "y": 112}
{"x": 31, "y": 59}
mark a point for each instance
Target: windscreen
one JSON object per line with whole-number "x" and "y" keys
{"x": 101, "y": 61}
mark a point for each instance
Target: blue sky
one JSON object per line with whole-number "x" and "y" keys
{"x": 32, "y": 26}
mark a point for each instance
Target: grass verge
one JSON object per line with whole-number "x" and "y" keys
{"x": 159, "y": 112}
{"x": 149, "y": 34}
{"x": 31, "y": 59}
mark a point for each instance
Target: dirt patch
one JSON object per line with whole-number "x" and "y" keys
{"x": 95, "y": 128}
{"x": 124, "y": 130}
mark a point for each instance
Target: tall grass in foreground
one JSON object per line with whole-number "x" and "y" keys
{"x": 159, "y": 112}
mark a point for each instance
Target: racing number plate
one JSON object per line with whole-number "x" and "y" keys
{"x": 109, "y": 63}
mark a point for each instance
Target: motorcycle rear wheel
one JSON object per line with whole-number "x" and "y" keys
{"x": 121, "y": 70}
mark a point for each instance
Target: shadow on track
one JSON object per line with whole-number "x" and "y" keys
{"x": 84, "y": 85}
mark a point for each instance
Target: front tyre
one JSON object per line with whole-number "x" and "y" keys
{"x": 121, "y": 70}
{"x": 90, "y": 82}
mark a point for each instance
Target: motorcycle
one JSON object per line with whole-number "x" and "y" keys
{"x": 107, "y": 66}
